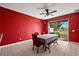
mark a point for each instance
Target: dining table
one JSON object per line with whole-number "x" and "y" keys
{"x": 48, "y": 39}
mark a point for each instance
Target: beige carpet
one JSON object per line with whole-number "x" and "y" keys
{"x": 63, "y": 48}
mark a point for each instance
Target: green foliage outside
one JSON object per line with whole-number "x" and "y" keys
{"x": 61, "y": 31}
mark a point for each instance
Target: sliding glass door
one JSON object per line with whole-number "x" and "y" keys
{"x": 60, "y": 28}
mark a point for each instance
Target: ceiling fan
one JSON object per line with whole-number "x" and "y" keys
{"x": 47, "y": 10}
{"x": 48, "y": 13}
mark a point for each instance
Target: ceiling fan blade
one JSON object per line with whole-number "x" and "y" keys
{"x": 53, "y": 11}
{"x": 46, "y": 15}
{"x": 52, "y": 14}
{"x": 42, "y": 13}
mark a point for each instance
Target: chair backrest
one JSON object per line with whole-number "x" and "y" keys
{"x": 35, "y": 40}
{"x": 36, "y": 33}
{"x": 34, "y": 36}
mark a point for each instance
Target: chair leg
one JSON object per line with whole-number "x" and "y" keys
{"x": 53, "y": 43}
{"x": 43, "y": 46}
{"x": 56, "y": 42}
{"x": 49, "y": 48}
{"x": 37, "y": 50}
{"x": 33, "y": 46}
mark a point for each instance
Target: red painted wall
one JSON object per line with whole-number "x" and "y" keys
{"x": 73, "y": 24}
{"x": 15, "y": 25}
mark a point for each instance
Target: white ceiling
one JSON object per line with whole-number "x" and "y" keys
{"x": 32, "y": 9}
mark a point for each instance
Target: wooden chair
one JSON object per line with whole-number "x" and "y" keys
{"x": 36, "y": 42}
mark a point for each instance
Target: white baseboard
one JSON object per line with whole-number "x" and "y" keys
{"x": 15, "y": 43}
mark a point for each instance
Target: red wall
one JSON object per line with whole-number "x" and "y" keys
{"x": 15, "y": 25}
{"x": 73, "y": 24}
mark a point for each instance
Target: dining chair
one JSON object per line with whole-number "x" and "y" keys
{"x": 36, "y": 42}
{"x": 36, "y": 33}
